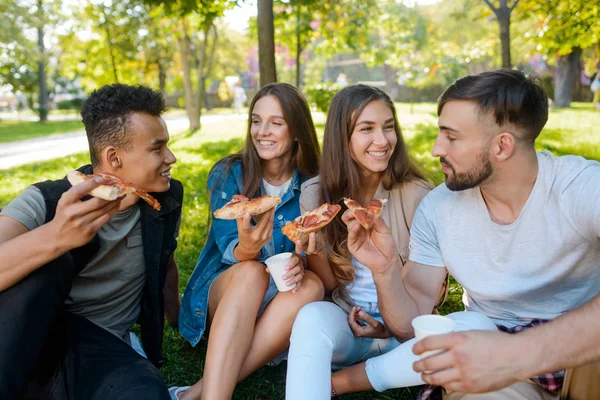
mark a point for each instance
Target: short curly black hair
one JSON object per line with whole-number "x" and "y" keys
{"x": 106, "y": 114}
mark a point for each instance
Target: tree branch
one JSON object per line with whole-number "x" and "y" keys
{"x": 513, "y": 6}
{"x": 489, "y": 3}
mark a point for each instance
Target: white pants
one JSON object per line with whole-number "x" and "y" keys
{"x": 321, "y": 340}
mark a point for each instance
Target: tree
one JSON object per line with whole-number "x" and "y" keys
{"x": 197, "y": 16}
{"x": 502, "y": 9}
{"x": 21, "y": 21}
{"x": 562, "y": 29}
{"x": 266, "y": 42}
{"x": 104, "y": 44}
{"x": 43, "y": 108}
{"x": 296, "y": 27}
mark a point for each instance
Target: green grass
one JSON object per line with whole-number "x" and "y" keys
{"x": 575, "y": 131}
{"x": 11, "y": 130}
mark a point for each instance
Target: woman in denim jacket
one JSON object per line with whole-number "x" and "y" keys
{"x": 229, "y": 292}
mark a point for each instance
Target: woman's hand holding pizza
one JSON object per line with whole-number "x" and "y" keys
{"x": 374, "y": 248}
{"x": 312, "y": 245}
{"x": 253, "y": 238}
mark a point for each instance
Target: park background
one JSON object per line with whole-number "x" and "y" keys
{"x": 53, "y": 53}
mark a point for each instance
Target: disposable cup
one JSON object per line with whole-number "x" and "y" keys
{"x": 276, "y": 265}
{"x": 428, "y": 325}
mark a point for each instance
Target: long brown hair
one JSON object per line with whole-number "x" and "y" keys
{"x": 305, "y": 152}
{"x": 340, "y": 175}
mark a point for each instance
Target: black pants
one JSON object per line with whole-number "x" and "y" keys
{"x": 47, "y": 353}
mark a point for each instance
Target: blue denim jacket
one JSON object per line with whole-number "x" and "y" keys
{"x": 217, "y": 254}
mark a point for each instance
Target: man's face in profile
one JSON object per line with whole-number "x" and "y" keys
{"x": 147, "y": 161}
{"x": 462, "y": 145}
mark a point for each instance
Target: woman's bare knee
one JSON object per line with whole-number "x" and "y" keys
{"x": 250, "y": 274}
{"x": 312, "y": 288}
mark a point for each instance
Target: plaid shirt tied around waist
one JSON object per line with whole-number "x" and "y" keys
{"x": 551, "y": 381}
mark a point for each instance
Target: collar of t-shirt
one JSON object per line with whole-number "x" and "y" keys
{"x": 279, "y": 191}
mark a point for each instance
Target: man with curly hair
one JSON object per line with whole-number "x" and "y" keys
{"x": 76, "y": 273}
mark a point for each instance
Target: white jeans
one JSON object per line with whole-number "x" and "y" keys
{"x": 322, "y": 340}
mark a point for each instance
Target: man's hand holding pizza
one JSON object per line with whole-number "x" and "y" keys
{"x": 76, "y": 221}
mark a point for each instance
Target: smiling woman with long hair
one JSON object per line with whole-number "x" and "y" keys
{"x": 229, "y": 292}
{"x": 364, "y": 158}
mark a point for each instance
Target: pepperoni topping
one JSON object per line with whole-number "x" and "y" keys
{"x": 375, "y": 204}
{"x": 353, "y": 204}
{"x": 310, "y": 220}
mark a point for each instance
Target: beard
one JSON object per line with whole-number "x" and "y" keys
{"x": 478, "y": 173}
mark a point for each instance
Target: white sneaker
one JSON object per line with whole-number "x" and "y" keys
{"x": 175, "y": 391}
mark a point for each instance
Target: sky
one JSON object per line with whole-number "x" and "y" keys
{"x": 238, "y": 17}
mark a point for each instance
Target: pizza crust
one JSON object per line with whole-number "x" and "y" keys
{"x": 320, "y": 217}
{"x": 111, "y": 192}
{"x": 104, "y": 192}
{"x": 365, "y": 216}
{"x": 240, "y": 205}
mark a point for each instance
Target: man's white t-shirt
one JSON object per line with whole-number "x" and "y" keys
{"x": 545, "y": 263}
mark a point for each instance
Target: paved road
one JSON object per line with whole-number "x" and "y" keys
{"x": 22, "y": 152}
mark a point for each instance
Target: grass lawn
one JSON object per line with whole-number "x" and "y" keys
{"x": 11, "y": 130}
{"x": 574, "y": 131}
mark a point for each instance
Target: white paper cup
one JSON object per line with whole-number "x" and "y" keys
{"x": 276, "y": 265}
{"x": 427, "y": 325}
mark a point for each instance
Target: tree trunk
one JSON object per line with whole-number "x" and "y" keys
{"x": 211, "y": 58}
{"x": 503, "y": 17}
{"x": 184, "y": 43}
{"x": 162, "y": 78}
{"x": 298, "y": 46}
{"x": 110, "y": 47}
{"x": 505, "y": 40}
{"x": 568, "y": 70}
{"x": 202, "y": 73}
{"x": 266, "y": 43}
{"x": 43, "y": 110}
{"x": 391, "y": 81}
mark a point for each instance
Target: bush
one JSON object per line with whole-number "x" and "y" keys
{"x": 320, "y": 96}
{"x": 547, "y": 83}
{"x": 73, "y": 104}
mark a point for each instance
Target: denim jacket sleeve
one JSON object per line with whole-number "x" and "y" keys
{"x": 225, "y": 231}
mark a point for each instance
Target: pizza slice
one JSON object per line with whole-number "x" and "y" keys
{"x": 310, "y": 221}
{"x": 240, "y": 205}
{"x": 114, "y": 189}
{"x": 365, "y": 216}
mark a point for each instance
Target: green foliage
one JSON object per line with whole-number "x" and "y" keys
{"x": 575, "y": 131}
{"x": 319, "y": 96}
{"x": 73, "y": 104}
{"x": 561, "y": 25}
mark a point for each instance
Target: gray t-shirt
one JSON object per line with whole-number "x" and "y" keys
{"x": 544, "y": 264}
{"x": 108, "y": 290}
